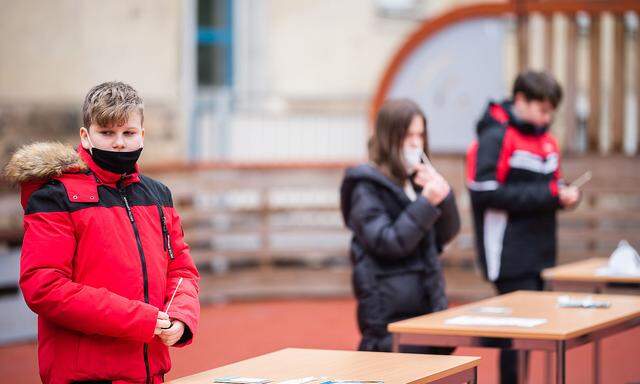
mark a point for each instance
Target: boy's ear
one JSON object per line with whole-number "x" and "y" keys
{"x": 84, "y": 134}
{"x": 520, "y": 97}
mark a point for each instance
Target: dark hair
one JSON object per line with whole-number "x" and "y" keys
{"x": 385, "y": 146}
{"x": 540, "y": 86}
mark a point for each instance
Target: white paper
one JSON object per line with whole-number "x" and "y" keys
{"x": 607, "y": 271}
{"x": 493, "y": 310}
{"x": 304, "y": 380}
{"x": 566, "y": 301}
{"x": 241, "y": 380}
{"x": 496, "y": 321}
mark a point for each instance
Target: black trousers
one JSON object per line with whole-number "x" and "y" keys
{"x": 427, "y": 350}
{"x": 509, "y": 358}
{"x": 382, "y": 343}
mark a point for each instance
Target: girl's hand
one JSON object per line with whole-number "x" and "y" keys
{"x": 435, "y": 191}
{"x": 434, "y": 187}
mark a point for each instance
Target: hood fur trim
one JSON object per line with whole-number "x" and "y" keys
{"x": 42, "y": 161}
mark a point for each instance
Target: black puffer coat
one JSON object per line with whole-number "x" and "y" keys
{"x": 394, "y": 251}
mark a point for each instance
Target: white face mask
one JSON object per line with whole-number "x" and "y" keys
{"x": 411, "y": 156}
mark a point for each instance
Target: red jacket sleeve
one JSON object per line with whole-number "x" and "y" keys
{"x": 186, "y": 305}
{"x": 46, "y": 270}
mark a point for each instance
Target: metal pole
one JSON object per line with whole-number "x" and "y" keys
{"x": 561, "y": 349}
{"x": 395, "y": 344}
{"x": 523, "y": 362}
{"x": 596, "y": 362}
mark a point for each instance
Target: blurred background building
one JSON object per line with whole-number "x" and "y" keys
{"x": 255, "y": 107}
{"x": 279, "y": 80}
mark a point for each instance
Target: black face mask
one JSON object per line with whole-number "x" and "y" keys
{"x": 116, "y": 162}
{"x": 527, "y": 127}
{"x": 533, "y": 128}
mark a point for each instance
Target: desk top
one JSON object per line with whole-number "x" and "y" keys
{"x": 293, "y": 363}
{"x": 585, "y": 271}
{"x": 561, "y": 324}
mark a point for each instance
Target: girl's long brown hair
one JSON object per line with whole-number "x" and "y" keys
{"x": 392, "y": 125}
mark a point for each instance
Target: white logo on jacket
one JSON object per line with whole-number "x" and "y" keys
{"x": 521, "y": 159}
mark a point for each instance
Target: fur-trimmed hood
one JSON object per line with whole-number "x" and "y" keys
{"x": 42, "y": 161}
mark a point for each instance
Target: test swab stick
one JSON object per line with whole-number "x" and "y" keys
{"x": 426, "y": 161}
{"x": 582, "y": 180}
{"x": 173, "y": 295}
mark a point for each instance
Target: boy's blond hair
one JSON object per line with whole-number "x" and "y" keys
{"x": 111, "y": 103}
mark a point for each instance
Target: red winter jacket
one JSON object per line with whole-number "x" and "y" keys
{"x": 101, "y": 255}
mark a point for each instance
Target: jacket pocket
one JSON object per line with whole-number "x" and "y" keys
{"x": 402, "y": 295}
{"x": 103, "y": 358}
{"x": 366, "y": 292}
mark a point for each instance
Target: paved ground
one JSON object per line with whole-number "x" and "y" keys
{"x": 231, "y": 332}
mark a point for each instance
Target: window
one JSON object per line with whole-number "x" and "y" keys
{"x": 215, "y": 55}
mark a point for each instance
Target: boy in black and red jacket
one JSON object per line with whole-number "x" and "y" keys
{"x": 513, "y": 175}
{"x": 103, "y": 254}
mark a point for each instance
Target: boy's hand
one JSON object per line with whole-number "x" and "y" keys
{"x": 173, "y": 334}
{"x": 569, "y": 196}
{"x": 162, "y": 322}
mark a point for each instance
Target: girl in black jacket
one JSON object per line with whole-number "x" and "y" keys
{"x": 402, "y": 212}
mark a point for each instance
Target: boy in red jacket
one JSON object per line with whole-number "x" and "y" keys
{"x": 103, "y": 251}
{"x": 514, "y": 179}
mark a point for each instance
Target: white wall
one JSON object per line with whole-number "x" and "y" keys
{"x": 54, "y": 51}
{"x": 59, "y": 49}
{"x": 332, "y": 47}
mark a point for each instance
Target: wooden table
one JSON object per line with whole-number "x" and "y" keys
{"x": 584, "y": 275}
{"x": 391, "y": 368}
{"x": 565, "y": 328}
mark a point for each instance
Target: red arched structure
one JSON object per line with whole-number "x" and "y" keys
{"x": 432, "y": 27}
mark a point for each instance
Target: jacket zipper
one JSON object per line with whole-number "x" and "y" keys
{"x": 166, "y": 239}
{"x": 145, "y": 277}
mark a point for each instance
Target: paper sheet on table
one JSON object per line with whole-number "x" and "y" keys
{"x": 493, "y": 310}
{"x": 304, "y": 380}
{"x": 607, "y": 271}
{"x": 496, "y": 321}
{"x": 241, "y": 380}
